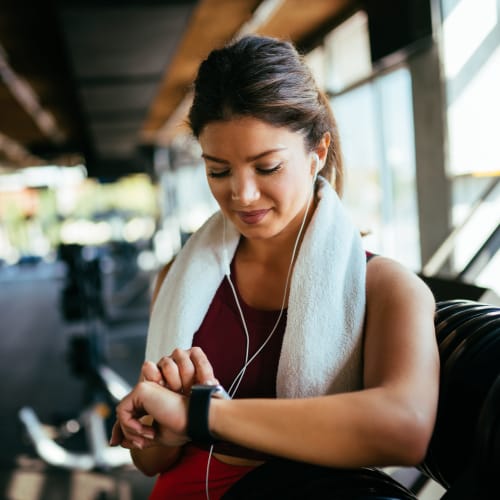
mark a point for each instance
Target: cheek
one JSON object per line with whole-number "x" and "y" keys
{"x": 293, "y": 190}
{"x": 218, "y": 190}
{"x": 280, "y": 193}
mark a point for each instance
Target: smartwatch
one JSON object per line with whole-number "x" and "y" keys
{"x": 199, "y": 405}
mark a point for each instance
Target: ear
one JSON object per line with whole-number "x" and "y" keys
{"x": 322, "y": 147}
{"x": 317, "y": 166}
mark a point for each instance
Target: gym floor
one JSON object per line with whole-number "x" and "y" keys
{"x": 35, "y": 372}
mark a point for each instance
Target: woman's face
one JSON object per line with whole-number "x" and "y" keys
{"x": 260, "y": 175}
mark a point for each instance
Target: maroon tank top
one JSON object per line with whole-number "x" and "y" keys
{"x": 222, "y": 338}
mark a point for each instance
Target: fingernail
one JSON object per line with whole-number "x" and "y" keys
{"x": 211, "y": 382}
{"x": 137, "y": 444}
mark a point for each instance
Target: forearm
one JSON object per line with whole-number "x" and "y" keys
{"x": 370, "y": 427}
{"x": 152, "y": 461}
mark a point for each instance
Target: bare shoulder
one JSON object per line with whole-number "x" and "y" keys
{"x": 388, "y": 281}
{"x": 400, "y": 342}
{"x": 160, "y": 278}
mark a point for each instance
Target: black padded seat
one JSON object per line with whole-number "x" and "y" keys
{"x": 464, "y": 453}
{"x": 458, "y": 316}
{"x": 285, "y": 479}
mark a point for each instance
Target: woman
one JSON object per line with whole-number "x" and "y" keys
{"x": 329, "y": 360}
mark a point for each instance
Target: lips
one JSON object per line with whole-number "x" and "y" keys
{"x": 252, "y": 216}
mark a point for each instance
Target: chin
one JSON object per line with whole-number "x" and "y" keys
{"x": 256, "y": 231}
{"x": 259, "y": 233}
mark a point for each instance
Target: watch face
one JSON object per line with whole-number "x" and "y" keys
{"x": 216, "y": 391}
{"x": 221, "y": 393}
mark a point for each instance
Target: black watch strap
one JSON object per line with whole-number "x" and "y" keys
{"x": 199, "y": 405}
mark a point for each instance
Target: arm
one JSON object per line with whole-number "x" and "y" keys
{"x": 156, "y": 459}
{"x": 389, "y": 422}
{"x": 162, "y": 274}
{"x": 178, "y": 372}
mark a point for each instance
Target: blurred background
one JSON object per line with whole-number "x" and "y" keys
{"x": 101, "y": 184}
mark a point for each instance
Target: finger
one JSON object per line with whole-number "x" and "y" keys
{"x": 152, "y": 373}
{"x": 170, "y": 372}
{"x": 186, "y": 368}
{"x": 139, "y": 438}
{"x": 132, "y": 428}
{"x": 203, "y": 367}
{"x": 116, "y": 435}
{"x": 137, "y": 443}
{"x": 127, "y": 444}
{"x": 129, "y": 414}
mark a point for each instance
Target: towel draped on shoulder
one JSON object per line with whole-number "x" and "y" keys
{"x": 322, "y": 344}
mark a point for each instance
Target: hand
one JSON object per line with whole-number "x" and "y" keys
{"x": 173, "y": 376}
{"x": 167, "y": 408}
{"x": 181, "y": 370}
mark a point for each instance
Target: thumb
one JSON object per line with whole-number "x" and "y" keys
{"x": 116, "y": 435}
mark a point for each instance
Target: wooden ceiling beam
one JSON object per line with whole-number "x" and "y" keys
{"x": 213, "y": 23}
{"x": 297, "y": 19}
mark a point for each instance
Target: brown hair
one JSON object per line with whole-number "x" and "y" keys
{"x": 266, "y": 78}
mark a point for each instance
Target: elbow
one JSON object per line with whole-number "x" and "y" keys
{"x": 150, "y": 473}
{"x": 413, "y": 440}
{"x": 148, "y": 469}
{"x": 414, "y": 454}
{"x": 153, "y": 461}
{"x": 403, "y": 435}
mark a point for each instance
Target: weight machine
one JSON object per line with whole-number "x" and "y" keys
{"x": 82, "y": 303}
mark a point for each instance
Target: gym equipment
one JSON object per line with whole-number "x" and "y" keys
{"x": 464, "y": 452}
{"x": 279, "y": 478}
{"x": 82, "y": 303}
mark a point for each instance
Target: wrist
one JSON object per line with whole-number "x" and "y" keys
{"x": 201, "y": 412}
{"x": 216, "y": 407}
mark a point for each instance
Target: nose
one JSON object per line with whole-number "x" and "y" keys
{"x": 244, "y": 189}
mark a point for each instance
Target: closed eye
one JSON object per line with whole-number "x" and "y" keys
{"x": 269, "y": 171}
{"x": 218, "y": 174}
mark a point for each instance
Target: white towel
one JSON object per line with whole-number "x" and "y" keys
{"x": 322, "y": 345}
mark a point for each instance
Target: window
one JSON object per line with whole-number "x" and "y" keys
{"x": 471, "y": 61}
{"x": 348, "y": 53}
{"x": 375, "y": 122}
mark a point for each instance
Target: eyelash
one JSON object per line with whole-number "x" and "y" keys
{"x": 270, "y": 171}
{"x": 261, "y": 171}
{"x": 218, "y": 175}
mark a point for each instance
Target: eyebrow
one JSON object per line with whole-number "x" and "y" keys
{"x": 249, "y": 158}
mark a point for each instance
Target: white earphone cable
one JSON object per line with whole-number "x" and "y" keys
{"x": 207, "y": 489}
{"x": 289, "y": 273}
{"x": 239, "y": 377}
